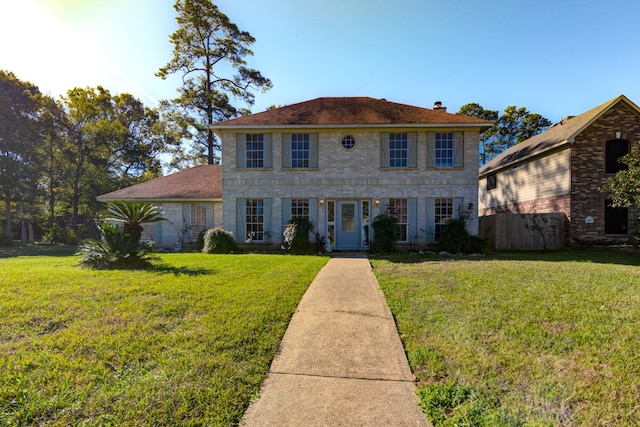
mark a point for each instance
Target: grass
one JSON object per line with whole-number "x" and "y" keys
{"x": 521, "y": 339}
{"x": 187, "y": 342}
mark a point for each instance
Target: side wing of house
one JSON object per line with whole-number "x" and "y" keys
{"x": 536, "y": 185}
{"x": 185, "y": 221}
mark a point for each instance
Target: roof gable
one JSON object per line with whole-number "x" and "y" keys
{"x": 202, "y": 182}
{"x": 561, "y": 133}
{"x": 350, "y": 111}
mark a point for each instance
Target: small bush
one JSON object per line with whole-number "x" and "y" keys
{"x": 384, "y": 234}
{"x": 455, "y": 237}
{"x": 296, "y": 237}
{"x": 320, "y": 243}
{"x": 116, "y": 248}
{"x": 219, "y": 241}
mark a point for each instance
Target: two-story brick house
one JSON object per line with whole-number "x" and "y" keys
{"x": 562, "y": 169}
{"x": 342, "y": 161}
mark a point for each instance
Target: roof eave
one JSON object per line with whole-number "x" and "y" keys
{"x": 481, "y": 126}
{"x": 155, "y": 199}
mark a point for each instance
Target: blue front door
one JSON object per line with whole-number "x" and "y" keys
{"x": 348, "y": 225}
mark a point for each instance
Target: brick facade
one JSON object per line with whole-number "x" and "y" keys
{"x": 349, "y": 174}
{"x": 567, "y": 178}
{"x": 588, "y": 172}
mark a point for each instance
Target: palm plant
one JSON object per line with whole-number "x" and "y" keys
{"x": 133, "y": 214}
{"x": 120, "y": 245}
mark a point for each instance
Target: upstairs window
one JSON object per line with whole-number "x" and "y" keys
{"x": 615, "y": 149}
{"x": 254, "y": 151}
{"x": 445, "y": 150}
{"x": 398, "y": 150}
{"x": 398, "y": 154}
{"x": 300, "y": 151}
{"x": 492, "y": 181}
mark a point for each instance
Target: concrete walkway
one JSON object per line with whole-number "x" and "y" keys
{"x": 341, "y": 362}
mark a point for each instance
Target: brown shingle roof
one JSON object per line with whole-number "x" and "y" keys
{"x": 350, "y": 111}
{"x": 557, "y": 135}
{"x": 202, "y": 182}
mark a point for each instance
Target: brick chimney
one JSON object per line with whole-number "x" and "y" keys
{"x": 437, "y": 106}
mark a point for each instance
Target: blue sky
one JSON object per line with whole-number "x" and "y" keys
{"x": 555, "y": 57}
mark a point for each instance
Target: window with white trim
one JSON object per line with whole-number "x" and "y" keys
{"x": 443, "y": 214}
{"x": 254, "y": 220}
{"x": 254, "y": 148}
{"x": 300, "y": 208}
{"x": 444, "y": 149}
{"x": 398, "y": 209}
{"x": 398, "y": 150}
{"x": 198, "y": 220}
{"x": 300, "y": 150}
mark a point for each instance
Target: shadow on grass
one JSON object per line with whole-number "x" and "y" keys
{"x": 151, "y": 267}
{"x": 37, "y": 250}
{"x": 599, "y": 255}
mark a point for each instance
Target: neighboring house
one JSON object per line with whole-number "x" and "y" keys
{"x": 342, "y": 161}
{"x": 562, "y": 169}
{"x": 191, "y": 201}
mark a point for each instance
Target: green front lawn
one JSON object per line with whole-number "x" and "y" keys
{"x": 521, "y": 339}
{"x": 188, "y": 342}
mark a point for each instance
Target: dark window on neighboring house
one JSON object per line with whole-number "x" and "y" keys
{"x": 616, "y": 219}
{"x": 492, "y": 181}
{"x": 615, "y": 149}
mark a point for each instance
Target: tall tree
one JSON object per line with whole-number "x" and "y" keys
{"x": 19, "y": 134}
{"x": 112, "y": 141}
{"x": 487, "y": 138}
{"x": 54, "y": 127}
{"x": 512, "y": 127}
{"x": 92, "y": 129}
{"x": 209, "y": 53}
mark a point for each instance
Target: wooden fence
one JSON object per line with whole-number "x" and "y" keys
{"x": 523, "y": 232}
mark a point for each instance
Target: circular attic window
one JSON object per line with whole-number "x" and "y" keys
{"x": 348, "y": 142}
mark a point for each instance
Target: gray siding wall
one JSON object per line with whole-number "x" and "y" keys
{"x": 540, "y": 178}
